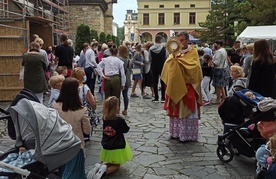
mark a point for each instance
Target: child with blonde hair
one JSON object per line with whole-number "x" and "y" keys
{"x": 115, "y": 149}
{"x": 62, "y": 70}
{"x": 84, "y": 92}
{"x": 271, "y": 171}
{"x": 55, "y": 82}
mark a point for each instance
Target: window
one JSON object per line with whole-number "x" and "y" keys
{"x": 146, "y": 6}
{"x": 146, "y": 19}
{"x": 176, "y": 5}
{"x": 176, "y": 18}
{"x": 192, "y": 18}
{"x": 161, "y": 18}
{"x": 161, "y": 6}
{"x": 192, "y": 5}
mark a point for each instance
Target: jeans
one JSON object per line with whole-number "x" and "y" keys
{"x": 124, "y": 93}
{"x": 91, "y": 79}
{"x": 205, "y": 88}
{"x": 156, "y": 73}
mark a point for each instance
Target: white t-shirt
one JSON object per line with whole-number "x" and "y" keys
{"x": 84, "y": 89}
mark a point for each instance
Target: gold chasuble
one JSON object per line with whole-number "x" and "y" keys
{"x": 180, "y": 71}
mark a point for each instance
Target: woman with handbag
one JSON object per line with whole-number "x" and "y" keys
{"x": 138, "y": 63}
{"x": 34, "y": 71}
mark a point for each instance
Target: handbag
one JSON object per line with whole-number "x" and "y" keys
{"x": 93, "y": 117}
{"x": 136, "y": 71}
{"x": 21, "y": 73}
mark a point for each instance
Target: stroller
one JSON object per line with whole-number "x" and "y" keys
{"x": 41, "y": 130}
{"x": 241, "y": 137}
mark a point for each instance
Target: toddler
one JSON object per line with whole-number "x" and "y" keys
{"x": 55, "y": 83}
{"x": 115, "y": 149}
{"x": 62, "y": 70}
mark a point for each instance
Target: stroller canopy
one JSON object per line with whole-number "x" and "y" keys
{"x": 55, "y": 142}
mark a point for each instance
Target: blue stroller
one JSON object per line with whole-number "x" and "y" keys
{"x": 238, "y": 137}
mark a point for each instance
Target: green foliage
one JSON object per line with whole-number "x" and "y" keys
{"x": 116, "y": 40}
{"x": 108, "y": 37}
{"x": 102, "y": 38}
{"x": 121, "y": 34}
{"x": 94, "y": 35}
{"x": 219, "y": 23}
{"x": 82, "y": 36}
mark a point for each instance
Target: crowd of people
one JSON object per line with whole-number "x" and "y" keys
{"x": 183, "y": 80}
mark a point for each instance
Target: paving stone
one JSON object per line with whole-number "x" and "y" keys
{"x": 164, "y": 171}
{"x": 156, "y": 156}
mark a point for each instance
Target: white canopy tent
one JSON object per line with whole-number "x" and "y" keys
{"x": 253, "y": 33}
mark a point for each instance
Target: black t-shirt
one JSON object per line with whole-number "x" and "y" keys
{"x": 65, "y": 55}
{"x": 206, "y": 70}
{"x": 234, "y": 57}
{"x": 113, "y": 133}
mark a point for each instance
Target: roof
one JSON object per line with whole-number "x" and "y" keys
{"x": 258, "y": 32}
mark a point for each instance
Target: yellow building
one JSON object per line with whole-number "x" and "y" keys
{"x": 167, "y": 17}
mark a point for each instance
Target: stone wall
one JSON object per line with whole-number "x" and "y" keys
{"x": 91, "y": 15}
{"x": 108, "y": 19}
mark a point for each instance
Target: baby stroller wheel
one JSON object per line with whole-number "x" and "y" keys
{"x": 225, "y": 153}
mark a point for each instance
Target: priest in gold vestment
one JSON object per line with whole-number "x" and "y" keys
{"x": 182, "y": 76}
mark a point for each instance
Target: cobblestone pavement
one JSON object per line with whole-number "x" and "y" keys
{"x": 156, "y": 156}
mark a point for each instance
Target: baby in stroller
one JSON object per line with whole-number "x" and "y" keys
{"x": 51, "y": 139}
{"x": 240, "y": 114}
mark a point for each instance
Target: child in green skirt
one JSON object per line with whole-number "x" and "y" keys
{"x": 116, "y": 150}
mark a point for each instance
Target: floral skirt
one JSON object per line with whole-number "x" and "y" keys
{"x": 220, "y": 77}
{"x": 185, "y": 129}
{"x": 117, "y": 156}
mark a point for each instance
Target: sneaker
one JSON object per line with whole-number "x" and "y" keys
{"x": 204, "y": 103}
{"x": 134, "y": 95}
{"x": 101, "y": 172}
{"x": 155, "y": 101}
{"x": 162, "y": 100}
{"x": 93, "y": 171}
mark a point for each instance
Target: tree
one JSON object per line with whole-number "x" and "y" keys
{"x": 94, "y": 35}
{"x": 220, "y": 21}
{"x": 115, "y": 40}
{"x": 108, "y": 37}
{"x": 102, "y": 38}
{"x": 82, "y": 36}
{"x": 121, "y": 34}
{"x": 261, "y": 12}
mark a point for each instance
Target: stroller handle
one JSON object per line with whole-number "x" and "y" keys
{"x": 6, "y": 114}
{"x": 238, "y": 87}
{"x": 25, "y": 173}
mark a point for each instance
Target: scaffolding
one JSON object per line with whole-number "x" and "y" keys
{"x": 19, "y": 19}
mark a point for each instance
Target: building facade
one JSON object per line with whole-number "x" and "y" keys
{"x": 167, "y": 17}
{"x": 97, "y": 14}
{"x": 19, "y": 20}
{"x": 131, "y": 27}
